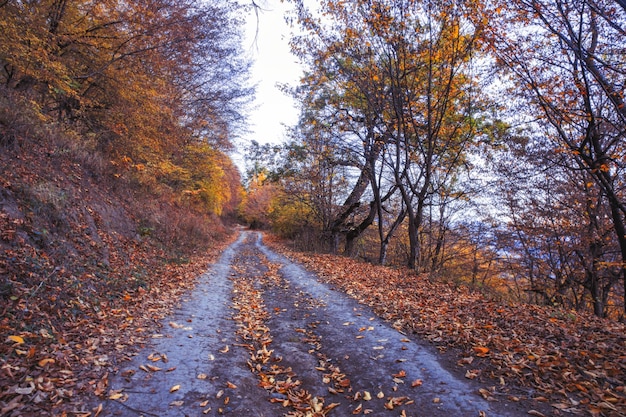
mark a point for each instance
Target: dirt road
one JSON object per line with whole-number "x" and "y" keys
{"x": 260, "y": 336}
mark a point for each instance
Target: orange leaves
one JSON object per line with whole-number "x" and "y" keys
{"x": 281, "y": 381}
{"x": 481, "y": 351}
{"x": 17, "y": 339}
{"x": 45, "y": 361}
{"x": 400, "y": 374}
{"x": 514, "y": 345}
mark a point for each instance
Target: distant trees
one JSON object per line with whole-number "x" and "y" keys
{"x": 402, "y": 101}
{"x": 570, "y": 71}
{"x": 148, "y": 82}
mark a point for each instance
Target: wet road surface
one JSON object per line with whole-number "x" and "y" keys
{"x": 260, "y": 336}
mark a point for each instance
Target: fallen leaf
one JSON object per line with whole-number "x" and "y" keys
{"x": 25, "y": 390}
{"x": 116, "y": 396}
{"x": 471, "y": 374}
{"x": 486, "y": 394}
{"x": 466, "y": 361}
{"x": 331, "y": 406}
{"x": 481, "y": 351}
{"x": 175, "y": 388}
{"x": 417, "y": 383}
{"x": 45, "y": 361}
{"x": 17, "y": 339}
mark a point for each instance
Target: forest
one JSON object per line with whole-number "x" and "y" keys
{"x": 470, "y": 155}
{"x": 479, "y": 143}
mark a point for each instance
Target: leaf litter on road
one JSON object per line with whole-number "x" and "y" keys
{"x": 574, "y": 362}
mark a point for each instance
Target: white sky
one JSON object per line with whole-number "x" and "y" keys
{"x": 273, "y": 64}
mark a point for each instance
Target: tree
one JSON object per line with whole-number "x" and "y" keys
{"x": 148, "y": 82}
{"x": 390, "y": 82}
{"x": 558, "y": 236}
{"x": 571, "y": 72}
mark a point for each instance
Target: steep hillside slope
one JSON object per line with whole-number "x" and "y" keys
{"x": 86, "y": 259}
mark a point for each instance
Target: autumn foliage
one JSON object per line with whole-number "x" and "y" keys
{"x": 115, "y": 183}
{"x": 573, "y": 362}
{"x": 476, "y": 142}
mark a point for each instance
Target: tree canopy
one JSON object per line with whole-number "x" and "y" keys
{"x": 431, "y": 122}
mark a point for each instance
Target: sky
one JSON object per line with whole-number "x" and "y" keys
{"x": 273, "y": 64}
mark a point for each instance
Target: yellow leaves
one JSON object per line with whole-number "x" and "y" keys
{"x": 116, "y": 395}
{"x": 17, "y": 339}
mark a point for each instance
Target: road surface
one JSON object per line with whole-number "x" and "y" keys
{"x": 260, "y": 336}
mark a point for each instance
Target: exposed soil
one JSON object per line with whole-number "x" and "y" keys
{"x": 261, "y": 336}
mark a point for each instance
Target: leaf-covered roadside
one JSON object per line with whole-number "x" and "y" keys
{"x": 576, "y": 363}
{"x": 80, "y": 281}
{"x": 46, "y": 366}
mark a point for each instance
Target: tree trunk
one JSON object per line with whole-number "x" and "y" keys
{"x": 620, "y": 231}
{"x": 354, "y": 233}
{"x": 413, "y": 244}
{"x": 334, "y": 242}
